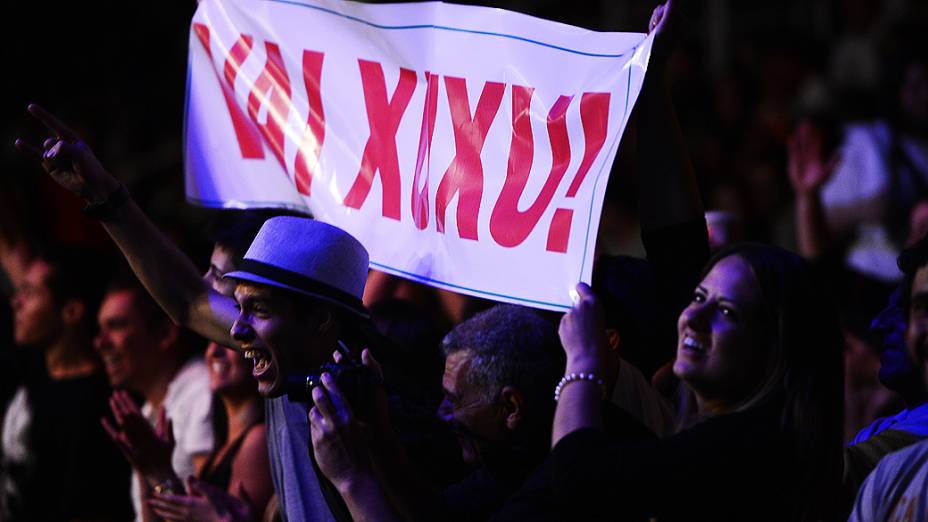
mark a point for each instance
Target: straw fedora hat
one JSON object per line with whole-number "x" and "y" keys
{"x": 308, "y": 257}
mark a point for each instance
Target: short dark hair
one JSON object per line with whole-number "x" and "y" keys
{"x": 909, "y": 261}
{"x": 234, "y": 230}
{"x": 152, "y": 314}
{"x": 510, "y": 346}
{"x": 77, "y": 274}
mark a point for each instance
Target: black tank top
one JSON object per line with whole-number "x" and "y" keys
{"x": 219, "y": 474}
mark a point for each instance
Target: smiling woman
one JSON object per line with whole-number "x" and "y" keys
{"x": 761, "y": 356}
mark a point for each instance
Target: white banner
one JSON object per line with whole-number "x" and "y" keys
{"x": 467, "y": 148}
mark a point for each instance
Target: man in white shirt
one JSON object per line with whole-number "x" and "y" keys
{"x": 142, "y": 351}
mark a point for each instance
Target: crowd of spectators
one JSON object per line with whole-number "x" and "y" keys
{"x": 752, "y": 345}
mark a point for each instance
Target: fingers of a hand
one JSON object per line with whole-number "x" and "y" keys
{"x": 656, "y": 17}
{"x": 323, "y": 404}
{"x": 166, "y": 508}
{"x": 28, "y": 148}
{"x": 176, "y": 500}
{"x": 586, "y": 293}
{"x": 110, "y": 429}
{"x": 315, "y": 417}
{"x": 54, "y": 124}
{"x": 116, "y": 402}
{"x": 128, "y": 404}
{"x": 335, "y": 395}
{"x": 115, "y": 408}
{"x": 214, "y": 495}
{"x": 367, "y": 359}
{"x": 337, "y": 356}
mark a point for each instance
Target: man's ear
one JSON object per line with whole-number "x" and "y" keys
{"x": 327, "y": 321}
{"x": 72, "y": 313}
{"x": 512, "y": 403}
{"x": 614, "y": 339}
{"x": 170, "y": 334}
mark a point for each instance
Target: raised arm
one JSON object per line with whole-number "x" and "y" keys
{"x": 667, "y": 190}
{"x": 808, "y": 172}
{"x": 579, "y": 401}
{"x": 168, "y": 274}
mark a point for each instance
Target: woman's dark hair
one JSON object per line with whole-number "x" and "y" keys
{"x": 807, "y": 368}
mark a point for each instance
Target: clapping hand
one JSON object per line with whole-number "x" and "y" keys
{"x": 204, "y": 503}
{"x": 147, "y": 448}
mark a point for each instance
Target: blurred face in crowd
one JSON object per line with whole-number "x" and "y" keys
{"x": 474, "y": 419}
{"x": 917, "y": 331}
{"x": 279, "y": 333}
{"x": 220, "y": 263}
{"x": 129, "y": 346}
{"x": 722, "y": 354}
{"x": 896, "y": 369}
{"x": 36, "y": 316}
{"x": 229, "y": 371}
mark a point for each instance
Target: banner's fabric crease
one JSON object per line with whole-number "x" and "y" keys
{"x": 466, "y": 147}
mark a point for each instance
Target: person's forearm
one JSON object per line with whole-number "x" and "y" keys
{"x": 169, "y": 275}
{"x": 366, "y": 500}
{"x": 579, "y": 407}
{"x": 812, "y": 231}
{"x": 667, "y": 190}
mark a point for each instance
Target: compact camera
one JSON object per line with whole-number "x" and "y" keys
{"x": 352, "y": 378}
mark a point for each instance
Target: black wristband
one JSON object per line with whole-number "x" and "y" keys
{"x": 104, "y": 209}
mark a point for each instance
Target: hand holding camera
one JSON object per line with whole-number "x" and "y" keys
{"x": 336, "y": 432}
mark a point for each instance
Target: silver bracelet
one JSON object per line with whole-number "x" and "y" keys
{"x": 578, "y": 377}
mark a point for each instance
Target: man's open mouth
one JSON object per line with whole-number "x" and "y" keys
{"x": 261, "y": 359}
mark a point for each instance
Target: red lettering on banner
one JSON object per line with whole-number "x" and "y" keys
{"x": 273, "y": 79}
{"x": 307, "y": 156}
{"x": 559, "y": 233}
{"x": 380, "y": 151}
{"x": 594, "y": 115}
{"x": 249, "y": 142}
{"x": 508, "y": 225}
{"x": 464, "y": 176}
{"x": 419, "y": 204}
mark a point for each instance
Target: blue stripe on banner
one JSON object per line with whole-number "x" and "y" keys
{"x": 614, "y": 145}
{"x": 212, "y": 203}
{"x": 444, "y": 28}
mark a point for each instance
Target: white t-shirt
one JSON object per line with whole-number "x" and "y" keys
{"x": 15, "y": 435}
{"x": 859, "y": 192}
{"x": 897, "y": 490}
{"x": 187, "y": 403}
